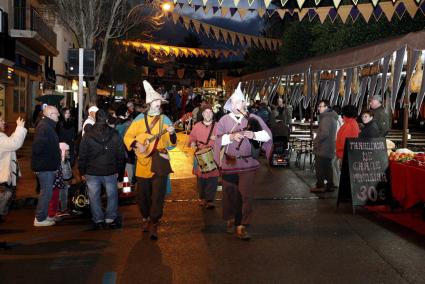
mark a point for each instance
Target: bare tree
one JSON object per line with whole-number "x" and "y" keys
{"x": 96, "y": 23}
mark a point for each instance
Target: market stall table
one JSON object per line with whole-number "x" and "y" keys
{"x": 407, "y": 184}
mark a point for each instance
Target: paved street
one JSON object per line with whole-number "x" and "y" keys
{"x": 298, "y": 237}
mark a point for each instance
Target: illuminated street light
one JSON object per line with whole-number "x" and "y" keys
{"x": 166, "y": 7}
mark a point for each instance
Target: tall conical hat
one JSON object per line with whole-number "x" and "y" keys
{"x": 236, "y": 96}
{"x": 151, "y": 94}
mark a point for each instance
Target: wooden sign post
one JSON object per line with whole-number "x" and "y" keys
{"x": 364, "y": 174}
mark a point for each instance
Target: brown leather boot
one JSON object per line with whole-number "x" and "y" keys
{"x": 242, "y": 233}
{"x": 153, "y": 231}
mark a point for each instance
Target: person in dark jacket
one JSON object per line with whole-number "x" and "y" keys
{"x": 45, "y": 161}
{"x": 382, "y": 118}
{"x": 67, "y": 132}
{"x": 324, "y": 147}
{"x": 101, "y": 160}
{"x": 370, "y": 127}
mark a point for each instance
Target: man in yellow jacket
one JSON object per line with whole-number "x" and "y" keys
{"x": 151, "y": 135}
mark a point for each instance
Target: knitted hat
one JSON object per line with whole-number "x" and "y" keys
{"x": 236, "y": 96}
{"x": 151, "y": 94}
{"x": 378, "y": 98}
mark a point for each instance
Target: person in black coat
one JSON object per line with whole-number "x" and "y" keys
{"x": 101, "y": 159}
{"x": 67, "y": 132}
{"x": 370, "y": 128}
{"x": 45, "y": 161}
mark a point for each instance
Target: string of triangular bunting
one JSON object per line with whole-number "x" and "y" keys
{"x": 226, "y": 35}
{"x": 388, "y": 9}
{"x": 177, "y": 51}
{"x": 268, "y": 2}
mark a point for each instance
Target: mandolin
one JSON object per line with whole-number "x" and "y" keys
{"x": 147, "y": 139}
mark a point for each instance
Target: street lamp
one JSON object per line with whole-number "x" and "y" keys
{"x": 166, "y": 7}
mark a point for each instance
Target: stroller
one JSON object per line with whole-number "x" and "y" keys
{"x": 281, "y": 154}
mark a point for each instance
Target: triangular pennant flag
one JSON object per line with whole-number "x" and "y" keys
{"x": 291, "y": 11}
{"x": 176, "y": 51}
{"x": 186, "y": 21}
{"x": 233, "y": 37}
{"x": 217, "y": 53}
{"x": 181, "y": 5}
{"x": 336, "y": 3}
{"x": 207, "y": 9}
{"x": 300, "y": 3}
{"x": 236, "y": 2}
{"x": 311, "y": 14}
{"x": 343, "y": 12}
{"x": 375, "y": 2}
{"x": 176, "y": 18}
{"x": 400, "y": 10}
{"x": 355, "y": 2}
{"x": 366, "y": 10}
{"x": 225, "y": 35}
{"x": 388, "y": 9}
{"x": 354, "y": 13}
{"x": 147, "y": 47}
{"x": 166, "y": 49}
{"x": 216, "y": 32}
{"x": 317, "y": 2}
{"x": 270, "y": 12}
{"x": 281, "y": 13}
{"x": 205, "y": 2}
{"x": 247, "y": 40}
{"x": 302, "y": 13}
{"x": 377, "y": 12}
{"x": 261, "y": 12}
{"x": 215, "y": 9}
{"x": 233, "y": 11}
{"x": 255, "y": 40}
{"x": 189, "y": 2}
{"x": 422, "y": 7}
{"x": 175, "y": 1}
{"x": 197, "y": 7}
{"x": 220, "y": 2}
{"x": 411, "y": 8}
{"x": 283, "y": 2}
{"x": 242, "y": 12}
{"x": 267, "y": 3}
{"x": 197, "y": 26}
{"x": 333, "y": 14}
{"x": 224, "y": 11}
{"x": 263, "y": 42}
{"x": 323, "y": 13}
{"x": 250, "y": 2}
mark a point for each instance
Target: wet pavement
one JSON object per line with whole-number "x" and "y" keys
{"x": 298, "y": 237}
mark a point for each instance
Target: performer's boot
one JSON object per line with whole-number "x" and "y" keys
{"x": 145, "y": 225}
{"x": 242, "y": 233}
{"x": 153, "y": 231}
{"x": 230, "y": 226}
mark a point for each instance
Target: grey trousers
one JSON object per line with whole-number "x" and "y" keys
{"x": 150, "y": 196}
{"x": 207, "y": 188}
{"x": 324, "y": 171}
{"x": 238, "y": 197}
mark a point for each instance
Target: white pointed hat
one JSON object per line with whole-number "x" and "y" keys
{"x": 151, "y": 94}
{"x": 236, "y": 96}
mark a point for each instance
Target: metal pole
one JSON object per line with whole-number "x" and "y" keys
{"x": 80, "y": 87}
{"x": 406, "y": 103}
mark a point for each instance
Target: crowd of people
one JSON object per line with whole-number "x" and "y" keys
{"x": 135, "y": 138}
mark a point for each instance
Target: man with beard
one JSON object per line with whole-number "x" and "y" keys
{"x": 153, "y": 165}
{"x": 237, "y": 134}
{"x": 202, "y": 138}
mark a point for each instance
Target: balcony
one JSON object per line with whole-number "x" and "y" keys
{"x": 35, "y": 33}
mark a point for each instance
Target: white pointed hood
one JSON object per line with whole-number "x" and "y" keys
{"x": 236, "y": 96}
{"x": 151, "y": 94}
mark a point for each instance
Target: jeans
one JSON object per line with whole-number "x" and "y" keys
{"x": 94, "y": 184}
{"x": 46, "y": 179}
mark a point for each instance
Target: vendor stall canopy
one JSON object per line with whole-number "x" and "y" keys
{"x": 347, "y": 76}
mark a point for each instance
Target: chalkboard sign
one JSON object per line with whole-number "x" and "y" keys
{"x": 364, "y": 174}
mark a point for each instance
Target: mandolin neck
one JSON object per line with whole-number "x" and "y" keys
{"x": 154, "y": 137}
